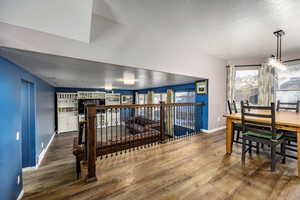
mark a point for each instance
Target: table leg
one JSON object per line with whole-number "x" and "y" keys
{"x": 229, "y": 136}
{"x": 298, "y": 148}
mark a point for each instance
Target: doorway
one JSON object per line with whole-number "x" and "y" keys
{"x": 28, "y": 124}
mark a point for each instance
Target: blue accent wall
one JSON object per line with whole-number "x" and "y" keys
{"x": 186, "y": 87}
{"x": 11, "y": 77}
{"x": 176, "y": 88}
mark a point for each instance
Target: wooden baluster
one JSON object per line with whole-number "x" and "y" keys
{"x": 91, "y": 143}
{"x": 85, "y": 136}
{"x": 162, "y": 123}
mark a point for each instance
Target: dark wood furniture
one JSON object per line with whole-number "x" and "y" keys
{"x": 138, "y": 132}
{"x": 291, "y": 136}
{"x": 267, "y": 135}
{"x": 237, "y": 127}
{"x": 288, "y": 106}
{"x": 112, "y": 146}
{"x": 284, "y": 121}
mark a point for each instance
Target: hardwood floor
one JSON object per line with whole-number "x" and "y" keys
{"x": 190, "y": 168}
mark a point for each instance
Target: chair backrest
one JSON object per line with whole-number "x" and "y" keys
{"x": 232, "y": 107}
{"x": 288, "y": 106}
{"x": 246, "y": 103}
{"x": 255, "y": 124}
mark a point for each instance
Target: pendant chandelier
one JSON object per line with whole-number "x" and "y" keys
{"x": 275, "y": 61}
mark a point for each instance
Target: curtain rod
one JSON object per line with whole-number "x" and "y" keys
{"x": 258, "y": 65}
{"x": 293, "y": 60}
{"x": 253, "y": 65}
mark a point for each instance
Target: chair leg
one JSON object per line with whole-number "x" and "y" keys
{"x": 282, "y": 148}
{"x": 250, "y": 147}
{"x": 273, "y": 157}
{"x": 78, "y": 168}
{"x": 238, "y": 135}
{"x": 257, "y": 147}
{"x": 243, "y": 152}
{"x": 262, "y": 145}
{"x": 233, "y": 134}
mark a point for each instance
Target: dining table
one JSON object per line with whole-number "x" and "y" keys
{"x": 285, "y": 120}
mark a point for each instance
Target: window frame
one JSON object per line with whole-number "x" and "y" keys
{"x": 276, "y": 77}
{"x": 145, "y": 98}
{"x": 246, "y": 68}
{"x": 160, "y": 96}
{"x": 187, "y": 91}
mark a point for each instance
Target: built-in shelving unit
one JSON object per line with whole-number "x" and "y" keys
{"x": 126, "y": 99}
{"x": 112, "y": 99}
{"x": 90, "y": 95}
{"x": 70, "y": 109}
{"x": 67, "y": 112}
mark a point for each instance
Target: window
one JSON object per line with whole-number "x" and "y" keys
{"x": 142, "y": 99}
{"x": 185, "y": 116}
{"x": 185, "y": 97}
{"x": 288, "y": 84}
{"x": 158, "y": 97}
{"x": 246, "y": 85}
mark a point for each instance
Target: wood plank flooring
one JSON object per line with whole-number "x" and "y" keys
{"x": 194, "y": 167}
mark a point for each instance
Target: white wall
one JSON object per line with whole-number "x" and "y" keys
{"x": 66, "y": 18}
{"x": 135, "y": 47}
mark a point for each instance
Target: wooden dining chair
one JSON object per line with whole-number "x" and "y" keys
{"x": 232, "y": 107}
{"x": 288, "y": 106}
{"x": 267, "y": 134}
{"x": 237, "y": 127}
{"x": 290, "y": 136}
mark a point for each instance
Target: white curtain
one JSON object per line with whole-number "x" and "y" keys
{"x": 266, "y": 84}
{"x": 170, "y": 96}
{"x": 150, "y": 97}
{"x": 137, "y": 98}
{"x": 230, "y": 82}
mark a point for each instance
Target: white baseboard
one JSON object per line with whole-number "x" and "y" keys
{"x": 21, "y": 195}
{"x": 42, "y": 154}
{"x": 28, "y": 169}
{"x": 213, "y": 130}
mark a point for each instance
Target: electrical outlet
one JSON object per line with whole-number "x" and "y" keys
{"x": 18, "y": 136}
{"x": 18, "y": 180}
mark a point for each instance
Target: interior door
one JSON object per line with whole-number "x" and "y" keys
{"x": 28, "y": 124}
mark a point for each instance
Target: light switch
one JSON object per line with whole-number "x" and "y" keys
{"x": 18, "y": 135}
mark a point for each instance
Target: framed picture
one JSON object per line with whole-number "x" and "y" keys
{"x": 201, "y": 87}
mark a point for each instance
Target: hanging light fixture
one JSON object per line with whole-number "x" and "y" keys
{"x": 276, "y": 62}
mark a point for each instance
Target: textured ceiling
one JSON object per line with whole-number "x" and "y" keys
{"x": 190, "y": 37}
{"x": 69, "y": 72}
{"x": 226, "y": 29}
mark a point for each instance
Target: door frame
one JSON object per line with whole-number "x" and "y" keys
{"x": 34, "y": 131}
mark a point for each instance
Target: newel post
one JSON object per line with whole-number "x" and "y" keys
{"x": 91, "y": 141}
{"x": 162, "y": 122}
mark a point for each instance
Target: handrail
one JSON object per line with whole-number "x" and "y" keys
{"x": 105, "y": 107}
{"x": 185, "y": 104}
{"x": 135, "y": 125}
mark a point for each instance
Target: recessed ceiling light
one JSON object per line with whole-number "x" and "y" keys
{"x": 108, "y": 87}
{"x": 128, "y": 78}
